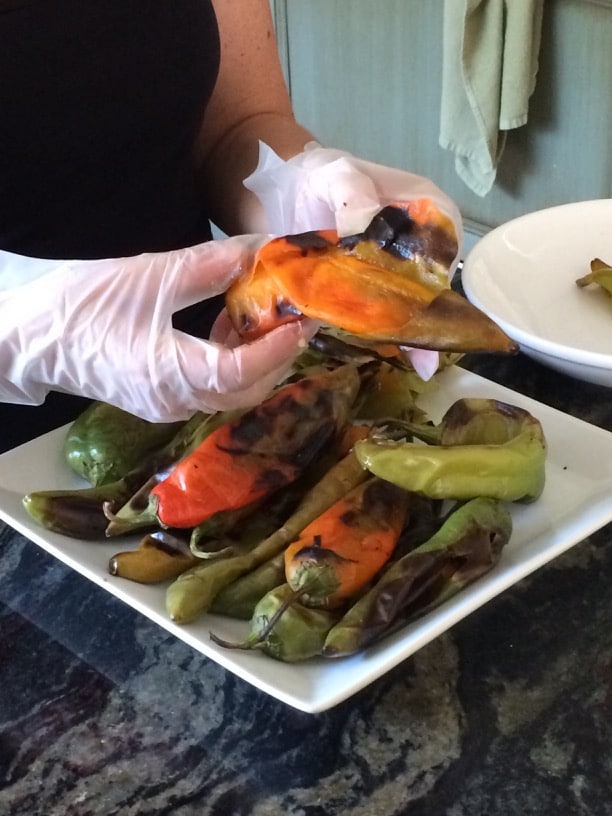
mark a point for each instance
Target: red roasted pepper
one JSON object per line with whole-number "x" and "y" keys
{"x": 265, "y": 449}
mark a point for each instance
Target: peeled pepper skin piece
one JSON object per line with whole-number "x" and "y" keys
{"x": 601, "y": 273}
{"x": 386, "y": 285}
{"x": 481, "y": 448}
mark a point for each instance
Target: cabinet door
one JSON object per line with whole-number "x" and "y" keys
{"x": 366, "y": 76}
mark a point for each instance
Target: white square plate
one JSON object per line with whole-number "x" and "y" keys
{"x": 577, "y": 500}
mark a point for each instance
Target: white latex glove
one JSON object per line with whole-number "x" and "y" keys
{"x": 324, "y": 188}
{"x": 102, "y": 329}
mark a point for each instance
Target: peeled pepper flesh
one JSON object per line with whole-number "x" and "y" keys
{"x": 389, "y": 284}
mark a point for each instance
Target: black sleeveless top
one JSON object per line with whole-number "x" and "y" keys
{"x": 100, "y": 105}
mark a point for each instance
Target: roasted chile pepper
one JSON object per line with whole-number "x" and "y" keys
{"x": 159, "y": 556}
{"x": 467, "y": 545}
{"x": 600, "y": 273}
{"x": 262, "y": 451}
{"x": 165, "y": 554}
{"x": 239, "y": 599}
{"x": 482, "y": 447}
{"x": 341, "y": 550}
{"x": 387, "y": 285}
{"x": 283, "y": 629}
{"x": 104, "y": 442}
{"x": 142, "y": 509}
{"x": 265, "y": 519}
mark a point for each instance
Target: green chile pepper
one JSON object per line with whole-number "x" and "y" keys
{"x": 467, "y": 545}
{"x": 284, "y": 629}
{"x": 204, "y": 538}
{"x": 104, "y": 442}
{"x": 239, "y": 599}
{"x": 482, "y": 447}
{"x": 219, "y": 541}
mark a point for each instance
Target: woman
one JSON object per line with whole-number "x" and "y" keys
{"x": 125, "y": 129}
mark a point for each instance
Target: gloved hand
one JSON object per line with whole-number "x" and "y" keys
{"x": 325, "y": 188}
{"x": 102, "y": 329}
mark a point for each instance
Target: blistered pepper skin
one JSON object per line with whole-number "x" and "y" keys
{"x": 485, "y": 448}
{"x": 264, "y": 450}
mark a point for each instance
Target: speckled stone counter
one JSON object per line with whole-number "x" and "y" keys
{"x": 510, "y": 712}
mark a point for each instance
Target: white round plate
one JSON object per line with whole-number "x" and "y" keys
{"x": 523, "y": 275}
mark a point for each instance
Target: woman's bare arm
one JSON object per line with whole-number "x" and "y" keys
{"x": 250, "y": 103}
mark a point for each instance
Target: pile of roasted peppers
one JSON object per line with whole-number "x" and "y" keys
{"x": 329, "y": 515}
{"x": 335, "y": 511}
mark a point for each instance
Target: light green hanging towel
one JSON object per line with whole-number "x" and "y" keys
{"x": 490, "y": 63}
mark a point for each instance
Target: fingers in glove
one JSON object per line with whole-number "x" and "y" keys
{"x": 214, "y": 377}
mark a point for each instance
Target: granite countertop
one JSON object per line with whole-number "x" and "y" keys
{"x": 510, "y": 712}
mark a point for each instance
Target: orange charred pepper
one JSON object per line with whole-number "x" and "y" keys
{"x": 344, "y": 548}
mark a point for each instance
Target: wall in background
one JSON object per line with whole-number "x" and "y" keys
{"x": 367, "y": 77}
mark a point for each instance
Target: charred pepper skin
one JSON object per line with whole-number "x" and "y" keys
{"x": 264, "y": 450}
{"x": 346, "y": 546}
{"x": 467, "y": 545}
{"x": 481, "y": 448}
{"x": 75, "y": 513}
{"x": 193, "y": 592}
{"x": 389, "y": 284}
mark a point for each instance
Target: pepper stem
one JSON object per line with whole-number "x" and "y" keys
{"x": 257, "y": 639}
